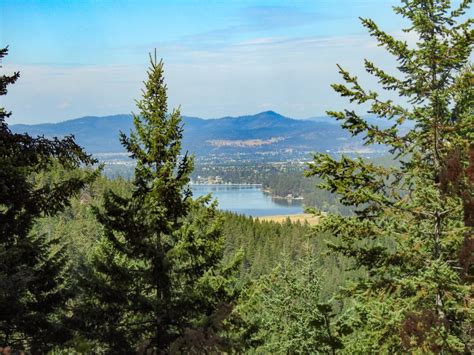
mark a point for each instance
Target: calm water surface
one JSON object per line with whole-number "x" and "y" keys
{"x": 248, "y": 199}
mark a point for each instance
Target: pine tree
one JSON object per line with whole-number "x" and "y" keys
{"x": 157, "y": 282}
{"x": 32, "y": 275}
{"x": 282, "y": 312}
{"x": 413, "y": 229}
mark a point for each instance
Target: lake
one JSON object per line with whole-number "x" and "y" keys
{"x": 248, "y": 199}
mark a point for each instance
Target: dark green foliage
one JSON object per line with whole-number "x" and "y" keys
{"x": 262, "y": 244}
{"x": 157, "y": 281}
{"x": 33, "y": 292}
{"x": 412, "y": 230}
{"x": 283, "y": 312}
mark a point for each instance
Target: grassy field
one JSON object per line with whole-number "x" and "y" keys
{"x": 303, "y": 217}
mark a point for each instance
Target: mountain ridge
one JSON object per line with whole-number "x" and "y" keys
{"x": 263, "y": 132}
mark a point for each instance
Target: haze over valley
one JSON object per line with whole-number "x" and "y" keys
{"x": 265, "y": 136}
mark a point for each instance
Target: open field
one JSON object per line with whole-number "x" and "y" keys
{"x": 303, "y": 217}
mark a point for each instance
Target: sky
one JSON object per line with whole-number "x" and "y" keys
{"x": 222, "y": 58}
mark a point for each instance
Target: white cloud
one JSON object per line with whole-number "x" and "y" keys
{"x": 288, "y": 75}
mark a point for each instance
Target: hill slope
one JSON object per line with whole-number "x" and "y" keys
{"x": 264, "y": 132}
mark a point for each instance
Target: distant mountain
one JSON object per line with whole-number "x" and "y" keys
{"x": 264, "y": 132}
{"x": 95, "y": 134}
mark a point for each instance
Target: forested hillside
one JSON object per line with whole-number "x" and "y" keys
{"x": 263, "y": 247}
{"x": 263, "y": 244}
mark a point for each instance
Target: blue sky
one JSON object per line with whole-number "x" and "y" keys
{"x": 89, "y": 57}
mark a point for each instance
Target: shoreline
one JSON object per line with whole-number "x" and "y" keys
{"x": 265, "y": 191}
{"x": 294, "y": 218}
{"x": 278, "y": 197}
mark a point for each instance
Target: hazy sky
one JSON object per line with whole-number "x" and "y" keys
{"x": 89, "y": 57}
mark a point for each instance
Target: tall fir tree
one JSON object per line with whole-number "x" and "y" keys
{"x": 32, "y": 279}
{"x": 413, "y": 229}
{"x": 158, "y": 282}
{"x": 282, "y": 312}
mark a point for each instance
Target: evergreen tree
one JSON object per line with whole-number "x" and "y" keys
{"x": 157, "y": 282}
{"x": 282, "y": 312}
{"x": 413, "y": 229}
{"x": 32, "y": 267}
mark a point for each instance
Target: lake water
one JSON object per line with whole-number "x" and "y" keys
{"x": 248, "y": 199}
